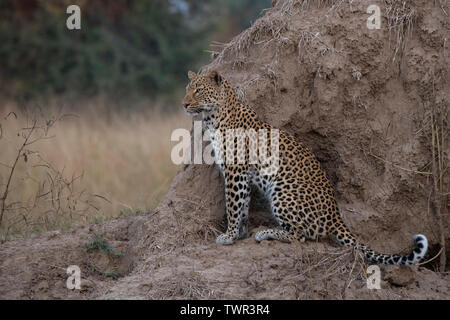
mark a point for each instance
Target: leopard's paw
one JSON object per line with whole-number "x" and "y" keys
{"x": 225, "y": 239}
{"x": 262, "y": 235}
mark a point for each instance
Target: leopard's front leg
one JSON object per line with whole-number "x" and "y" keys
{"x": 237, "y": 198}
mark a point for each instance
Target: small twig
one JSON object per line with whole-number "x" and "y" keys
{"x": 442, "y": 7}
{"x": 13, "y": 167}
{"x": 436, "y": 204}
{"x": 429, "y": 260}
{"x": 102, "y": 197}
{"x": 398, "y": 167}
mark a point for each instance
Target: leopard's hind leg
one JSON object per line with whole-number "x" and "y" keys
{"x": 286, "y": 211}
{"x": 275, "y": 234}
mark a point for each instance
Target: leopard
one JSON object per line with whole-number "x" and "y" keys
{"x": 301, "y": 198}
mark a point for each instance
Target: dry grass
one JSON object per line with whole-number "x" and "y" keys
{"x": 400, "y": 18}
{"x": 95, "y": 166}
{"x": 264, "y": 31}
{"x": 188, "y": 285}
{"x": 273, "y": 30}
{"x": 324, "y": 266}
{"x": 439, "y": 149}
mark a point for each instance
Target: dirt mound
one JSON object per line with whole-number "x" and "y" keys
{"x": 361, "y": 99}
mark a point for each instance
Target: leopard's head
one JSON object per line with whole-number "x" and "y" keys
{"x": 203, "y": 92}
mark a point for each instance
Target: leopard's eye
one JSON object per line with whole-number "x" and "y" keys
{"x": 197, "y": 91}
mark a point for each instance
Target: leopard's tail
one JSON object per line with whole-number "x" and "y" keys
{"x": 344, "y": 237}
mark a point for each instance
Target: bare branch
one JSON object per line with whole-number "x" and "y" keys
{"x": 5, "y": 193}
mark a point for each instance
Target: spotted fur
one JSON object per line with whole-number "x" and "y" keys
{"x": 300, "y": 195}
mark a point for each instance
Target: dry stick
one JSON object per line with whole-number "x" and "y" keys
{"x": 436, "y": 202}
{"x": 102, "y": 197}
{"x": 441, "y": 190}
{"x": 443, "y": 198}
{"x": 19, "y": 153}
{"x": 429, "y": 260}
{"x": 398, "y": 167}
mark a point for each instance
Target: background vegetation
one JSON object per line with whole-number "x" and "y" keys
{"x": 125, "y": 48}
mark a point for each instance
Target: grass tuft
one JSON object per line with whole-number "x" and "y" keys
{"x": 102, "y": 245}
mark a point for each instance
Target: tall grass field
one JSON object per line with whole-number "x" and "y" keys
{"x": 90, "y": 166}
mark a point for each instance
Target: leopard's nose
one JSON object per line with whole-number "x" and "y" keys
{"x": 186, "y": 105}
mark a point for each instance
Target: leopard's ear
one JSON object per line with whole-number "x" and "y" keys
{"x": 216, "y": 77}
{"x": 191, "y": 75}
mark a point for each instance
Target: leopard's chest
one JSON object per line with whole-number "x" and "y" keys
{"x": 217, "y": 135}
{"x": 212, "y": 130}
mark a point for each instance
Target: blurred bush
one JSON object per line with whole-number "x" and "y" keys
{"x": 125, "y": 48}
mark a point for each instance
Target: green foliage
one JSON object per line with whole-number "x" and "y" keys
{"x": 127, "y": 213}
{"x": 136, "y": 49}
{"x": 102, "y": 245}
{"x": 124, "y": 47}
